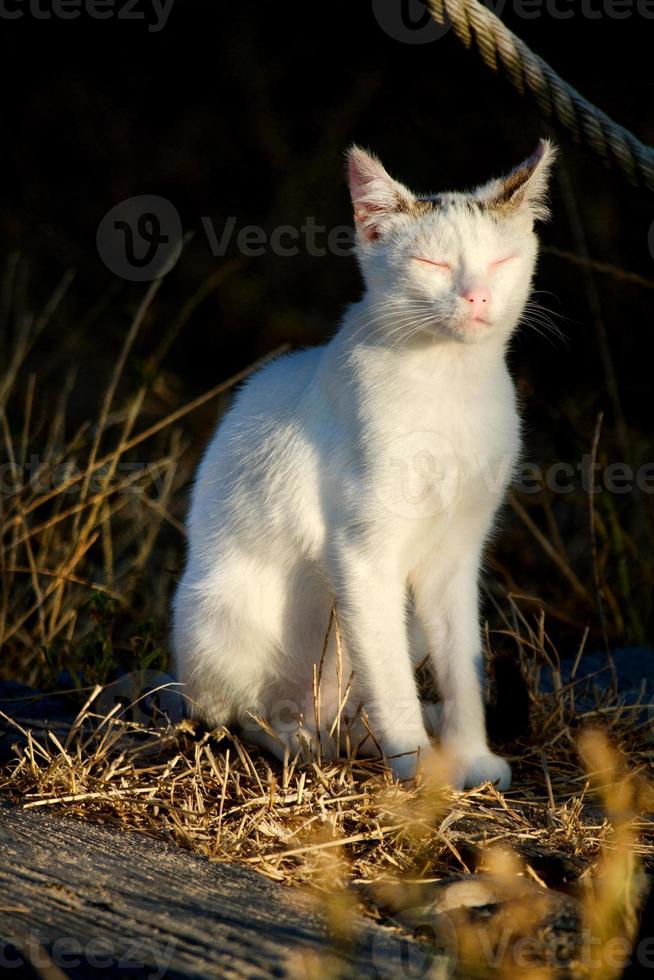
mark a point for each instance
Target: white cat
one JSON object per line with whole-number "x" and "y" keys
{"x": 369, "y": 472}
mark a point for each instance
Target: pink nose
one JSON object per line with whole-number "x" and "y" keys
{"x": 479, "y": 299}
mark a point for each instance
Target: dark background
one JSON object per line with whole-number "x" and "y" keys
{"x": 245, "y": 110}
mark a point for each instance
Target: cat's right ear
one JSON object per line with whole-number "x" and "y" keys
{"x": 524, "y": 189}
{"x": 376, "y": 197}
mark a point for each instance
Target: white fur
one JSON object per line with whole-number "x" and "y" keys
{"x": 367, "y": 471}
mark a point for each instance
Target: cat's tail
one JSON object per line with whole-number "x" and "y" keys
{"x": 215, "y": 657}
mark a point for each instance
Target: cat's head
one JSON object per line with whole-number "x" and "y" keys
{"x": 455, "y": 265}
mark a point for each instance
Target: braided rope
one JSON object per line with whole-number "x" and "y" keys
{"x": 500, "y": 48}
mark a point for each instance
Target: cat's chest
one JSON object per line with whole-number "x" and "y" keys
{"x": 446, "y": 414}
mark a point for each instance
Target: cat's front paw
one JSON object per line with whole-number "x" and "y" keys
{"x": 483, "y": 768}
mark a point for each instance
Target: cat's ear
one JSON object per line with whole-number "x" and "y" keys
{"x": 376, "y": 197}
{"x": 525, "y": 188}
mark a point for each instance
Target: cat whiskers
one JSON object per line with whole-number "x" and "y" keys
{"x": 406, "y": 319}
{"x": 539, "y": 318}
{"x": 407, "y": 330}
{"x": 382, "y": 311}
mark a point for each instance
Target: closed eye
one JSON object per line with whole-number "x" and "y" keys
{"x": 498, "y": 262}
{"x": 439, "y": 265}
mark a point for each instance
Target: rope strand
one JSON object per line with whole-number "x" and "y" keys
{"x": 502, "y": 50}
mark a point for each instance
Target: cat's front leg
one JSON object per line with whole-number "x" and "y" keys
{"x": 371, "y": 611}
{"x": 449, "y": 611}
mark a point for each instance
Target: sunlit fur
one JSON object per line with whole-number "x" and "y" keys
{"x": 368, "y": 472}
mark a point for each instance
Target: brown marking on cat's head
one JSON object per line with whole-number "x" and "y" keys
{"x": 423, "y": 205}
{"x": 524, "y": 186}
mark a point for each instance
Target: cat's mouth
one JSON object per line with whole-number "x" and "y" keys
{"x": 473, "y": 329}
{"x": 475, "y": 323}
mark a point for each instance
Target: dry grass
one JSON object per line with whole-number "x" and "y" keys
{"x": 579, "y": 818}
{"x": 79, "y": 540}
{"x": 82, "y": 508}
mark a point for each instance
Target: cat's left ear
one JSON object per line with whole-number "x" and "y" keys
{"x": 376, "y": 197}
{"x": 525, "y": 188}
